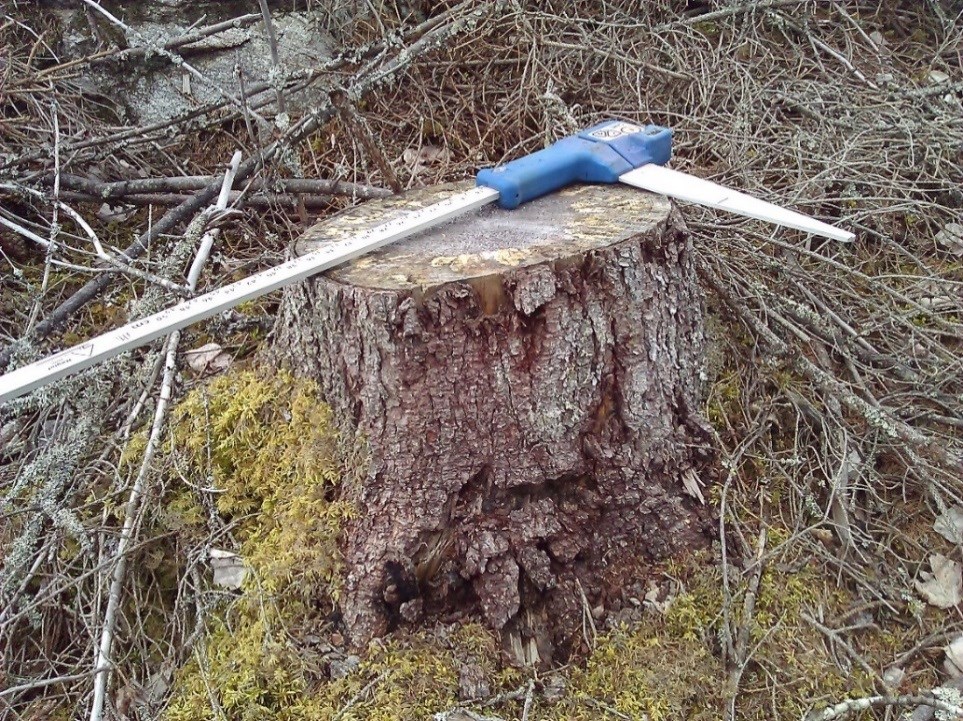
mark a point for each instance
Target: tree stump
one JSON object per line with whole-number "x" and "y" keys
{"x": 527, "y": 383}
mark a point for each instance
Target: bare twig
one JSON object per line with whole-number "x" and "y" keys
{"x": 360, "y": 130}
{"x": 463, "y": 714}
{"x": 207, "y": 242}
{"x": 95, "y": 287}
{"x": 589, "y": 632}
{"x": 273, "y": 43}
{"x": 54, "y": 224}
{"x": 352, "y": 702}
{"x": 817, "y": 43}
{"x": 851, "y": 706}
{"x": 725, "y": 13}
{"x": 115, "y": 263}
{"x": 740, "y": 651}
{"x": 529, "y": 697}
{"x": 122, "y": 189}
{"x": 25, "y": 232}
{"x": 43, "y": 683}
{"x": 132, "y": 512}
{"x": 836, "y": 637}
{"x": 237, "y": 198}
{"x": 128, "y": 54}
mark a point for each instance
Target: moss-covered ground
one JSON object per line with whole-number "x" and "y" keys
{"x": 272, "y": 650}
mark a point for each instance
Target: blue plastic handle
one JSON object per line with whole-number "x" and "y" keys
{"x": 599, "y": 154}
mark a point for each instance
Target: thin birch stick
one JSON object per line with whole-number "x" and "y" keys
{"x": 132, "y": 511}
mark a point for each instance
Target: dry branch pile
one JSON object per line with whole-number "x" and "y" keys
{"x": 836, "y": 387}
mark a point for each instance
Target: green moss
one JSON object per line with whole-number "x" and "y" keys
{"x": 416, "y": 681}
{"x": 181, "y": 513}
{"x": 665, "y": 667}
{"x": 643, "y": 673}
{"x": 241, "y": 671}
{"x": 671, "y": 666}
{"x": 268, "y": 444}
{"x": 724, "y": 398}
{"x": 250, "y": 669}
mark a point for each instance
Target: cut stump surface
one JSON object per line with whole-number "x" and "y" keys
{"x": 527, "y": 384}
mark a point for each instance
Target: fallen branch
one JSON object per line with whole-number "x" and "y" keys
{"x": 259, "y": 200}
{"x": 852, "y": 706}
{"x": 273, "y": 43}
{"x": 179, "y": 42}
{"x": 124, "y": 188}
{"x": 874, "y": 416}
{"x": 142, "y": 134}
{"x": 835, "y": 637}
{"x": 529, "y": 697}
{"x": 749, "y": 7}
{"x": 460, "y": 713}
{"x": 116, "y": 264}
{"x": 803, "y": 31}
{"x": 43, "y": 683}
{"x": 98, "y": 285}
{"x": 427, "y": 36}
{"x": 132, "y": 510}
{"x": 207, "y": 242}
{"x": 740, "y": 651}
{"x": 362, "y": 133}
{"x": 291, "y": 82}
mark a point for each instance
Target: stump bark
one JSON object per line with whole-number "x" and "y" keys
{"x": 528, "y": 387}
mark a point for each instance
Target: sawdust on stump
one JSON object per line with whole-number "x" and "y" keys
{"x": 527, "y": 384}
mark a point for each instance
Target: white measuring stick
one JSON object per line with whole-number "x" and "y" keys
{"x": 132, "y": 335}
{"x": 659, "y": 179}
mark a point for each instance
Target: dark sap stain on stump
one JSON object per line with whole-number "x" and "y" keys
{"x": 527, "y": 384}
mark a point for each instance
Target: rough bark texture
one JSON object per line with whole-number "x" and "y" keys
{"x": 528, "y": 385}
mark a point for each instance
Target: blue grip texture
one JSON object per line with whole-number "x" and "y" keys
{"x": 599, "y": 154}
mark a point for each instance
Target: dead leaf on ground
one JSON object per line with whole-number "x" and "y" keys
{"x": 949, "y": 524}
{"x": 950, "y": 238}
{"x": 209, "y": 358}
{"x": 115, "y": 213}
{"x": 692, "y": 485}
{"x": 418, "y": 158}
{"x": 943, "y": 587}
{"x": 893, "y": 677}
{"x": 953, "y": 663}
{"x": 229, "y": 569}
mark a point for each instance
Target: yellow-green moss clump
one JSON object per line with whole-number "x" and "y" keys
{"x": 670, "y": 666}
{"x": 255, "y": 672}
{"x": 267, "y": 443}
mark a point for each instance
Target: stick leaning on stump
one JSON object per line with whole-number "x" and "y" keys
{"x": 527, "y": 384}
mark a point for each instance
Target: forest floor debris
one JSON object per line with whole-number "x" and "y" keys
{"x": 835, "y": 385}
